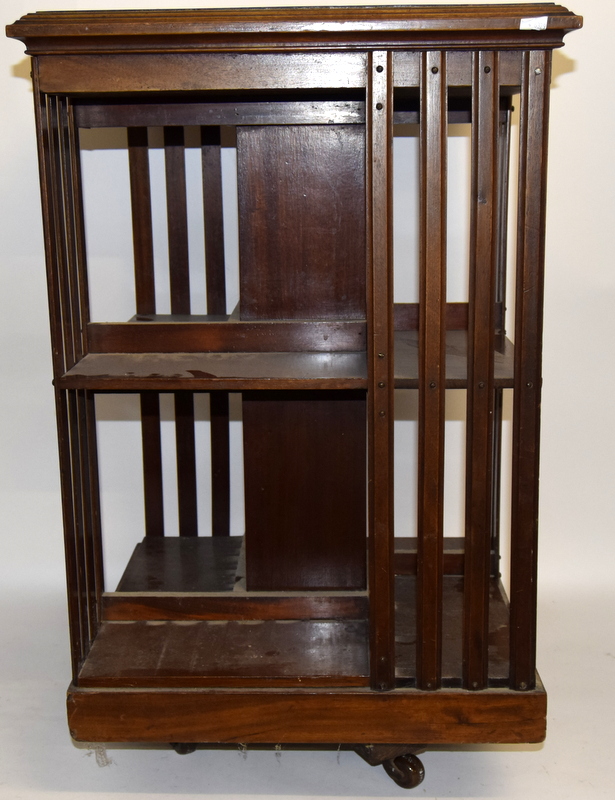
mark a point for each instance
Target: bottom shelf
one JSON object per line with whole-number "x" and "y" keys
{"x": 182, "y": 618}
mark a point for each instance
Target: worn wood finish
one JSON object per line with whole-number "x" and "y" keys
{"x": 431, "y": 367}
{"x": 211, "y": 114}
{"x": 481, "y": 346}
{"x": 301, "y": 243}
{"x": 232, "y": 371}
{"x": 453, "y": 633}
{"x": 120, "y": 607}
{"x": 528, "y": 378}
{"x": 313, "y": 716}
{"x": 197, "y": 653}
{"x": 187, "y": 650}
{"x": 380, "y": 408}
{"x": 410, "y": 27}
{"x": 304, "y": 468}
{"x": 203, "y": 337}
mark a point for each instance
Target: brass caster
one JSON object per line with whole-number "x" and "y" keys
{"x": 183, "y": 748}
{"x": 407, "y": 771}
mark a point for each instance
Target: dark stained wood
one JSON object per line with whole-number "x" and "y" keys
{"x": 484, "y": 253}
{"x": 196, "y": 653}
{"x": 186, "y": 463}
{"x": 456, "y": 355}
{"x": 528, "y": 377}
{"x": 452, "y": 632}
{"x": 407, "y": 316}
{"x": 181, "y": 564}
{"x": 380, "y": 396}
{"x": 177, "y": 218}
{"x": 219, "y": 71}
{"x": 277, "y": 112}
{"x": 273, "y": 370}
{"x": 234, "y": 606}
{"x": 254, "y": 336}
{"x": 216, "y": 304}
{"x": 220, "y": 464}
{"x": 205, "y": 371}
{"x": 304, "y": 474}
{"x": 152, "y": 464}
{"x": 141, "y": 203}
{"x": 432, "y": 328}
{"x": 301, "y": 239}
{"x": 317, "y": 716}
{"x": 405, "y": 560}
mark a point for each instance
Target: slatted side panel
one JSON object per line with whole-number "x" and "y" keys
{"x": 432, "y": 329}
{"x": 67, "y": 285}
{"x": 177, "y": 223}
{"x": 481, "y": 343}
{"x": 528, "y": 337}
{"x": 216, "y": 304}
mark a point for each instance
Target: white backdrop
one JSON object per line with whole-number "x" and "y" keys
{"x": 576, "y": 634}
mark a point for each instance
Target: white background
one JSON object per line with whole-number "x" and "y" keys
{"x": 576, "y": 630}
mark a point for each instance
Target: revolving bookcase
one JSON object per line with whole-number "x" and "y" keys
{"x": 317, "y": 625}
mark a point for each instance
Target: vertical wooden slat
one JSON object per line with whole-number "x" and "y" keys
{"x": 143, "y": 245}
{"x": 177, "y": 219}
{"x": 432, "y": 329}
{"x": 214, "y": 226}
{"x": 175, "y": 170}
{"x": 186, "y": 463}
{"x": 141, "y": 205}
{"x": 496, "y": 482}
{"x": 380, "y": 369}
{"x": 481, "y": 343}
{"x": 152, "y": 464}
{"x": 502, "y": 223}
{"x": 95, "y": 517}
{"x": 216, "y": 304}
{"x": 528, "y": 338}
{"x": 220, "y": 464}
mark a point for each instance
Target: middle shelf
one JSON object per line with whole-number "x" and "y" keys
{"x": 272, "y": 370}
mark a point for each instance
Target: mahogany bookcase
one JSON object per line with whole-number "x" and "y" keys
{"x": 317, "y": 626}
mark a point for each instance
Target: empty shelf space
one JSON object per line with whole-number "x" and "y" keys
{"x": 407, "y": 361}
{"x": 452, "y": 639}
{"x": 228, "y": 653}
{"x": 203, "y": 578}
{"x": 204, "y": 371}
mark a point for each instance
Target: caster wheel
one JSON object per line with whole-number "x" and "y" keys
{"x": 183, "y": 748}
{"x": 407, "y": 771}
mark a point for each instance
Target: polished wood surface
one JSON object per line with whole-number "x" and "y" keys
{"x": 317, "y": 626}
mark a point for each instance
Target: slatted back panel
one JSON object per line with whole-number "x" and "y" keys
{"x": 179, "y": 280}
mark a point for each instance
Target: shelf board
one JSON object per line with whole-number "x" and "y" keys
{"x": 196, "y": 653}
{"x": 275, "y": 370}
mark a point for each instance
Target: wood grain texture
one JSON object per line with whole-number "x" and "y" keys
{"x": 432, "y": 289}
{"x": 251, "y": 653}
{"x": 301, "y": 235}
{"x": 528, "y": 377}
{"x": 484, "y": 252}
{"x": 380, "y": 396}
{"x": 305, "y": 492}
{"x": 203, "y": 337}
{"x": 316, "y": 716}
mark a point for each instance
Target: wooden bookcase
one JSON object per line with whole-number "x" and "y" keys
{"x": 317, "y": 626}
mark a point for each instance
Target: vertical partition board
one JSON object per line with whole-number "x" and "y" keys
{"x": 304, "y": 464}
{"x": 302, "y": 221}
{"x": 302, "y": 256}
